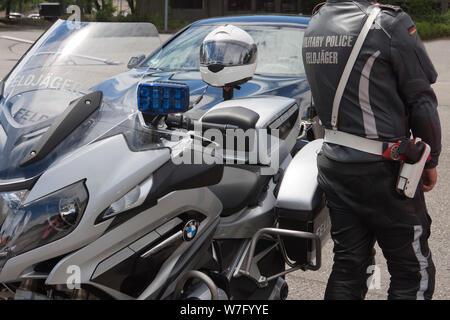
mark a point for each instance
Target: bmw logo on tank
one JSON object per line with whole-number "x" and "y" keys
{"x": 190, "y": 230}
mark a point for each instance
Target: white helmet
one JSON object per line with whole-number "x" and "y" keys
{"x": 227, "y": 57}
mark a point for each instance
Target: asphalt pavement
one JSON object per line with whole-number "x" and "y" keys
{"x": 309, "y": 284}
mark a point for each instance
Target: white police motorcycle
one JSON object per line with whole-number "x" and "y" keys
{"x": 101, "y": 196}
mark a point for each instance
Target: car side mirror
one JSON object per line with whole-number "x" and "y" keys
{"x": 135, "y": 61}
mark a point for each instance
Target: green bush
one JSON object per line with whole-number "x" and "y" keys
{"x": 437, "y": 18}
{"x": 419, "y": 8}
{"x": 173, "y": 23}
{"x": 429, "y": 30}
{"x": 106, "y": 12}
{"x": 434, "y": 26}
{"x": 156, "y": 19}
{"x": 308, "y": 6}
{"x": 132, "y": 18}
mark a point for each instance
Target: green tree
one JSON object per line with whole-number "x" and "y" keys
{"x": 8, "y": 8}
{"x": 105, "y": 11}
{"x": 308, "y": 6}
{"x": 132, "y": 5}
{"x": 444, "y": 6}
{"x": 419, "y": 8}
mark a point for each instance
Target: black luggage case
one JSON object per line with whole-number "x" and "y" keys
{"x": 317, "y": 221}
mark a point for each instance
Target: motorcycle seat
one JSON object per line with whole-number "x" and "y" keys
{"x": 240, "y": 187}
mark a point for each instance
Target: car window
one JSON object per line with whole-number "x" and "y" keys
{"x": 279, "y": 50}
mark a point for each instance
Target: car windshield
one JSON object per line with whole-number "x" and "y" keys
{"x": 279, "y": 50}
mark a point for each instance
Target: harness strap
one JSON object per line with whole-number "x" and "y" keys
{"x": 350, "y": 64}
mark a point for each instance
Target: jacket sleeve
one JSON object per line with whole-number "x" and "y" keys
{"x": 415, "y": 74}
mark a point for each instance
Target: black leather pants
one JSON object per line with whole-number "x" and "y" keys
{"x": 364, "y": 208}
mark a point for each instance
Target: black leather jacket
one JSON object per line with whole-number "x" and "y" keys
{"x": 389, "y": 91}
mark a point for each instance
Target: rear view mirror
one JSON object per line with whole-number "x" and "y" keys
{"x": 135, "y": 61}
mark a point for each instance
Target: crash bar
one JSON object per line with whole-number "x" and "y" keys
{"x": 288, "y": 233}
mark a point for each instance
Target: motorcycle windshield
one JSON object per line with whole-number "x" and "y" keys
{"x": 66, "y": 63}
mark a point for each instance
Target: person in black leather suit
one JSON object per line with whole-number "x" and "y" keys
{"x": 388, "y": 97}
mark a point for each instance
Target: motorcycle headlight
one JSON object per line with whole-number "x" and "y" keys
{"x": 26, "y": 227}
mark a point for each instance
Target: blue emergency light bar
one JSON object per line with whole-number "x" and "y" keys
{"x": 161, "y": 98}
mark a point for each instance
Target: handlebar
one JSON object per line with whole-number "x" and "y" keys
{"x": 183, "y": 122}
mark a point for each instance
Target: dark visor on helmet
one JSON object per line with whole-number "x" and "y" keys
{"x": 227, "y": 53}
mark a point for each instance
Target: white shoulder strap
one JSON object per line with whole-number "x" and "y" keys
{"x": 350, "y": 64}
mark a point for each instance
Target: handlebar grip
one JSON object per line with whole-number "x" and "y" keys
{"x": 218, "y": 126}
{"x": 174, "y": 121}
{"x": 180, "y": 121}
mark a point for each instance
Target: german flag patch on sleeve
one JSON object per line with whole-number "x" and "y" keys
{"x": 412, "y": 30}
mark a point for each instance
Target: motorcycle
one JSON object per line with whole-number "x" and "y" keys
{"x": 98, "y": 200}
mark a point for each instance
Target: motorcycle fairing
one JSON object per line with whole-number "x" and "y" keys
{"x": 64, "y": 64}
